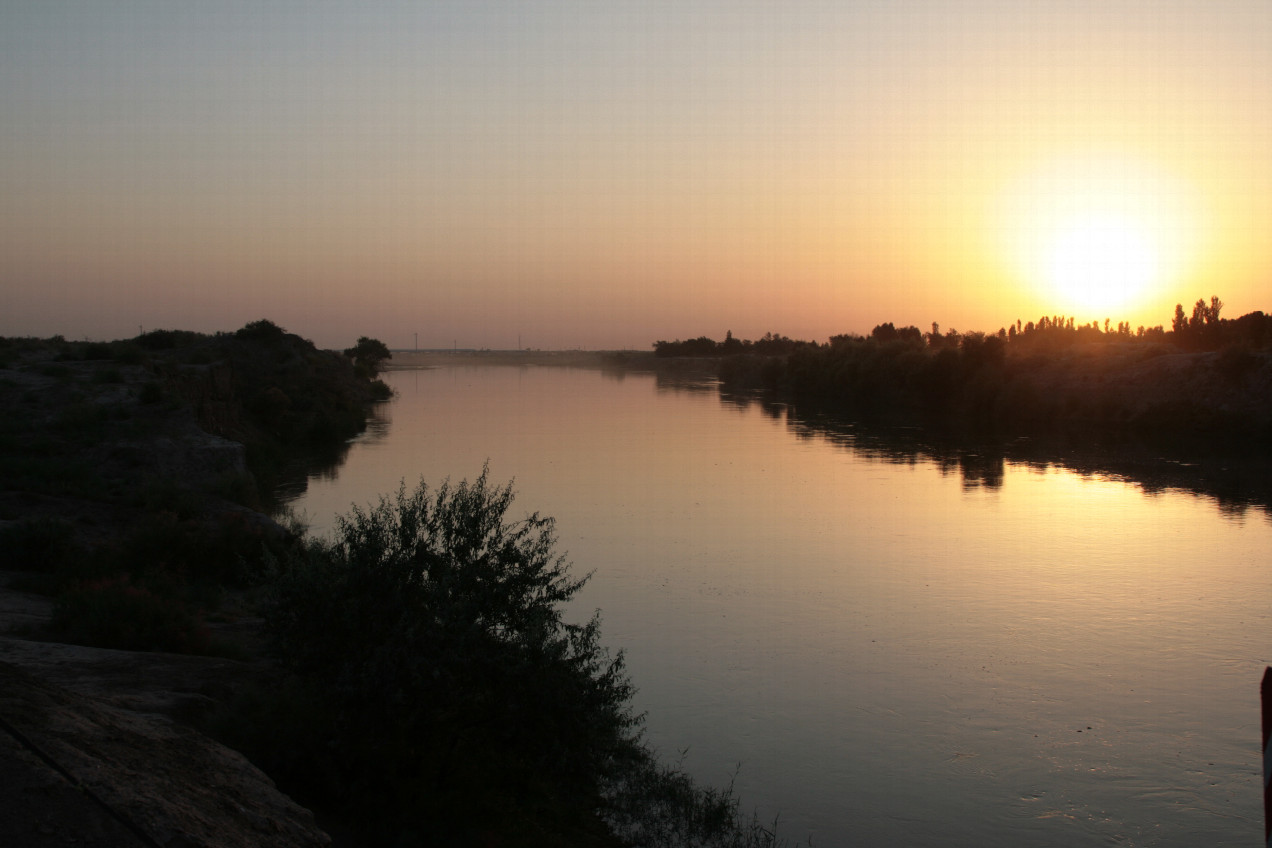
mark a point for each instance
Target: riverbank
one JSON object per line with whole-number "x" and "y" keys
{"x": 565, "y": 358}
{"x": 606, "y": 360}
{"x": 134, "y": 476}
{"x": 143, "y": 570}
{"x": 1135, "y": 389}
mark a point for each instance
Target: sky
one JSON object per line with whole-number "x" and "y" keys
{"x": 602, "y": 175}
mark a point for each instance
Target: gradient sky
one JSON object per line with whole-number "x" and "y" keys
{"x": 605, "y": 174}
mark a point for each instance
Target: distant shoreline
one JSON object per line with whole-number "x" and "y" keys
{"x": 628, "y": 359}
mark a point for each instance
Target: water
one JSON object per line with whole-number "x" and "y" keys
{"x": 897, "y": 649}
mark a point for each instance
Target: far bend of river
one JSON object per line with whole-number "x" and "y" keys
{"x": 895, "y": 653}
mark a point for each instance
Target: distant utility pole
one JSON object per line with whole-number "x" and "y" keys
{"x": 417, "y": 341}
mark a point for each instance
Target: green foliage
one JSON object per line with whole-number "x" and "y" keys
{"x": 432, "y": 625}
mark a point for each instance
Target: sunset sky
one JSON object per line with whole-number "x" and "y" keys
{"x": 605, "y": 174}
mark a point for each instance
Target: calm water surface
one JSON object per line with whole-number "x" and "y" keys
{"x": 896, "y": 653}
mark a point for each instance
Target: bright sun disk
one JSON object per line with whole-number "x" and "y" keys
{"x": 1100, "y": 261}
{"x": 1098, "y": 236}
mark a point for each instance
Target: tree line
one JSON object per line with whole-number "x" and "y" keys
{"x": 1203, "y": 329}
{"x": 1045, "y": 375}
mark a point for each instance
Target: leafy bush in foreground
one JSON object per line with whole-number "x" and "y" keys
{"x": 431, "y": 629}
{"x": 438, "y": 688}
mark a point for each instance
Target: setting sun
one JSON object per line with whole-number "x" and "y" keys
{"x": 1100, "y": 237}
{"x": 1100, "y": 262}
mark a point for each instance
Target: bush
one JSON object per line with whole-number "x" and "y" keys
{"x": 263, "y": 330}
{"x": 368, "y": 356}
{"x": 435, "y": 684}
{"x": 432, "y": 627}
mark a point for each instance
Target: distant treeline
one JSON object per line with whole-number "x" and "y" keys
{"x": 769, "y": 345}
{"x": 1204, "y": 329}
{"x": 1206, "y": 374}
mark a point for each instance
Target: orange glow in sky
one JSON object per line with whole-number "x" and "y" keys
{"x": 606, "y": 175}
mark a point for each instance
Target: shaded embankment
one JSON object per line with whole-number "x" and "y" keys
{"x": 133, "y": 475}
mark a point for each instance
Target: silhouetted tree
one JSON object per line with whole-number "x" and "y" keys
{"x": 1180, "y": 323}
{"x": 1253, "y": 329}
{"x": 368, "y": 356}
{"x": 262, "y": 331}
{"x": 884, "y": 332}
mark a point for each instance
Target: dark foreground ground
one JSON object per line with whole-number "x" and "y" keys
{"x": 146, "y": 464}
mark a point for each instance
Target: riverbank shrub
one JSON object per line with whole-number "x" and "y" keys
{"x": 432, "y": 626}
{"x": 440, "y": 685}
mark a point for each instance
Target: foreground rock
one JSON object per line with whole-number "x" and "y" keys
{"x": 93, "y": 749}
{"x": 77, "y": 769}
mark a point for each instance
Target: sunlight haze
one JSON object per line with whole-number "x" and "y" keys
{"x": 568, "y": 174}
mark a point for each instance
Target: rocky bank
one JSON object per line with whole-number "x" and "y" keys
{"x": 100, "y": 443}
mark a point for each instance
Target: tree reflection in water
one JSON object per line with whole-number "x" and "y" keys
{"x": 1236, "y": 477}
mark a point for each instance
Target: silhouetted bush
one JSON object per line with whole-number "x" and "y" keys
{"x": 169, "y": 339}
{"x": 369, "y": 356}
{"x": 433, "y": 627}
{"x": 439, "y": 685}
{"x": 263, "y": 330}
